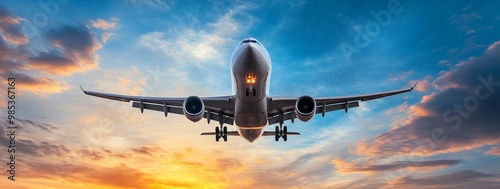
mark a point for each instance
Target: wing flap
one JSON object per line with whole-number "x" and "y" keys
{"x": 160, "y": 108}
{"x": 340, "y": 106}
{"x": 286, "y": 105}
{"x": 178, "y": 110}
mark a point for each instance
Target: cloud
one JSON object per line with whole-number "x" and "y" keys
{"x": 456, "y": 179}
{"x": 31, "y": 148}
{"x": 149, "y": 151}
{"x": 10, "y": 29}
{"x": 493, "y": 151}
{"x": 41, "y": 85}
{"x": 40, "y": 125}
{"x": 12, "y": 65}
{"x": 106, "y": 36}
{"x": 106, "y": 26}
{"x": 297, "y": 3}
{"x": 91, "y": 154}
{"x": 119, "y": 176}
{"x": 75, "y": 52}
{"x": 423, "y": 85}
{"x": 401, "y": 76}
{"x": 346, "y": 167}
{"x": 199, "y": 47}
{"x": 465, "y": 21}
{"x": 130, "y": 81}
{"x": 188, "y": 50}
{"x": 444, "y": 62}
{"x": 154, "y": 5}
{"x": 72, "y": 50}
{"x": 460, "y": 116}
{"x": 494, "y": 47}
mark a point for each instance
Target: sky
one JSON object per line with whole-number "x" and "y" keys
{"x": 444, "y": 134}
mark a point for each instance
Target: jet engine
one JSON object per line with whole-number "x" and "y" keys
{"x": 305, "y": 108}
{"x": 193, "y": 108}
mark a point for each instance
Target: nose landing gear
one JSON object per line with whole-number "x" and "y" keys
{"x": 250, "y": 90}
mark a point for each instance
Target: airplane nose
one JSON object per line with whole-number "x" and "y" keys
{"x": 250, "y": 134}
{"x": 251, "y": 51}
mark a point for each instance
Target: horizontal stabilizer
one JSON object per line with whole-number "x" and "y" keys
{"x": 266, "y": 133}
{"x": 229, "y": 133}
{"x": 272, "y": 133}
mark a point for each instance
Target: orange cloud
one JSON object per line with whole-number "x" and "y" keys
{"x": 493, "y": 47}
{"x": 493, "y": 151}
{"x": 150, "y": 151}
{"x": 458, "y": 117}
{"x": 41, "y": 85}
{"x": 73, "y": 50}
{"x": 423, "y": 85}
{"x": 10, "y": 29}
{"x": 104, "y": 24}
{"x": 419, "y": 111}
{"x": 118, "y": 176}
{"x": 76, "y": 52}
{"x": 459, "y": 179}
{"x": 347, "y": 167}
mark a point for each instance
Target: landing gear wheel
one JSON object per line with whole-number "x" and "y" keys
{"x": 217, "y": 137}
{"x": 225, "y": 138}
{"x": 225, "y": 131}
{"x": 284, "y": 137}
{"x": 217, "y": 132}
{"x": 284, "y": 130}
{"x": 277, "y": 134}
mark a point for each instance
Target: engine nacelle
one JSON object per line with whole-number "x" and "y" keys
{"x": 305, "y": 108}
{"x": 193, "y": 108}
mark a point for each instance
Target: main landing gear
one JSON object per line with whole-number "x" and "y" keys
{"x": 281, "y": 131}
{"x": 221, "y": 130}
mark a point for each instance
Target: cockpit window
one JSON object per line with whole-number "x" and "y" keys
{"x": 251, "y": 41}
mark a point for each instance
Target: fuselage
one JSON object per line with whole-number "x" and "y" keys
{"x": 250, "y": 69}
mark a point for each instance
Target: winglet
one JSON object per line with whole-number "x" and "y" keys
{"x": 414, "y": 85}
{"x": 84, "y": 91}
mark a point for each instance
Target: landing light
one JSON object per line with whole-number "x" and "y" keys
{"x": 251, "y": 79}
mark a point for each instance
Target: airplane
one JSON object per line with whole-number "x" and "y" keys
{"x": 250, "y": 108}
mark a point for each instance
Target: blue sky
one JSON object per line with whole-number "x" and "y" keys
{"x": 443, "y": 134}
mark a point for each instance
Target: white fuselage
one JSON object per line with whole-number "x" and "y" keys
{"x": 250, "y": 68}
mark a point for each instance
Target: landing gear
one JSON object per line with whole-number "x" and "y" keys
{"x": 250, "y": 90}
{"x": 221, "y": 132}
{"x": 281, "y": 131}
{"x": 277, "y": 134}
{"x": 284, "y": 133}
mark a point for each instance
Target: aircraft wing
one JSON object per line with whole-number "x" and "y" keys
{"x": 214, "y": 106}
{"x": 281, "y": 108}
